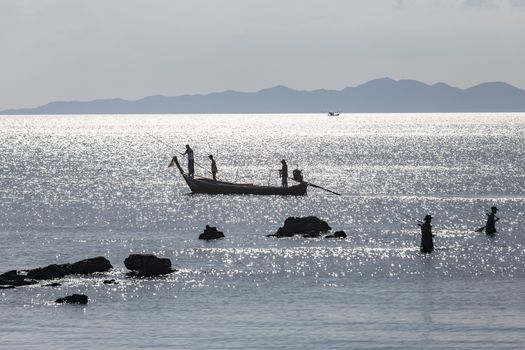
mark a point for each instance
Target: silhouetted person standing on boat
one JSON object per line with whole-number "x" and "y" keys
{"x": 191, "y": 161}
{"x": 427, "y": 244}
{"x": 213, "y": 167}
{"x": 490, "y": 228}
{"x": 283, "y": 173}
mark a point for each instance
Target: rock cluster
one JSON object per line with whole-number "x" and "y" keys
{"x": 142, "y": 265}
{"x": 147, "y": 265}
{"x": 211, "y": 233}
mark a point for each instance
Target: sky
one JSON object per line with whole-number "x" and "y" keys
{"x": 60, "y": 50}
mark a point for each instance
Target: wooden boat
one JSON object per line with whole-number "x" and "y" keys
{"x": 210, "y": 186}
{"x": 204, "y": 185}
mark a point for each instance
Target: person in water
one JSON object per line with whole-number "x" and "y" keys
{"x": 213, "y": 167}
{"x": 283, "y": 173}
{"x": 191, "y": 161}
{"x": 427, "y": 244}
{"x": 490, "y": 228}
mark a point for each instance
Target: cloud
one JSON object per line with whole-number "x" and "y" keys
{"x": 479, "y": 3}
{"x": 493, "y": 3}
{"x": 517, "y": 3}
{"x": 399, "y": 4}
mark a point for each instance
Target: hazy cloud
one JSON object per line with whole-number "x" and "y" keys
{"x": 460, "y": 3}
{"x": 493, "y": 3}
{"x": 479, "y": 3}
{"x": 399, "y": 3}
{"x": 517, "y": 3}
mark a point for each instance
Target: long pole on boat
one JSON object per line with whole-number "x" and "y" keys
{"x": 322, "y": 188}
{"x": 199, "y": 165}
{"x": 299, "y": 178}
{"x": 159, "y": 140}
{"x": 182, "y": 154}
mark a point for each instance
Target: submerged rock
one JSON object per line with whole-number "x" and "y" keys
{"x": 147, "y": 265}
{"x": 308, "y": 227}
{"x": 211, "y": 233}
{"x": 337, "y": 234}
{"x": 73, "y": 299}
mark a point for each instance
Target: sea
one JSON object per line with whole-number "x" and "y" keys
{"x": 80, "y": 186}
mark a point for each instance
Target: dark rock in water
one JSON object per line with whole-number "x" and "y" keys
{"x": 109, "y": 282}
{"x": 14, "y": 279}
{"x": 311, "y": 235}
{"x": 337, "y": 234}
{"x": 49, "y": 272}
{"x": 211, "y": 233}
{"x": 147, "y": 265}
{"x": 55, "y": 284}
{"x": 16, "y": 282}
{"x": 340, "y": 234}
{"x": 6, "y": 286}
{"x": 12, "y": 276}
{"x": 73, "y": 299}
{"x": 308, "y": 227}
{"x": 92, "y": 265}
{"x": 83, "y": 267}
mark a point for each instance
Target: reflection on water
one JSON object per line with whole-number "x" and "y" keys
{"x": 79, "y": 186}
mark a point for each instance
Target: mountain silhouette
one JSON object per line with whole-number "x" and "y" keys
{"x": 377, "y": 96}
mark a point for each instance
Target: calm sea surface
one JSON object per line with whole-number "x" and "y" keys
{"x": 73, "y": 187}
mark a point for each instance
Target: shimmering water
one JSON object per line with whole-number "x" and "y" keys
{"x": 73, "y": 187}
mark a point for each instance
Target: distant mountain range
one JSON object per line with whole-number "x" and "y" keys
{"x": 376, "y": 96}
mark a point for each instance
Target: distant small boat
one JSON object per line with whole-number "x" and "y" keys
{"x": 333, "y": 114}
{"x": 210, "y": 186}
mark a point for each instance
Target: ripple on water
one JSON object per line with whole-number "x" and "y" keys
{"x": 79, "y": 186}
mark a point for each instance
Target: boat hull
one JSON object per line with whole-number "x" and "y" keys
{"x": 209, "y": 186}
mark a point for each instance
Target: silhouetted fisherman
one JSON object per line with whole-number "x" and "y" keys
{"x": 283, "y": 173}
{"x": 213, "y": 167}
{"x": 490, "y": 228}
{"x": 191, "y": 161}
{"x": 427, "y": 244}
